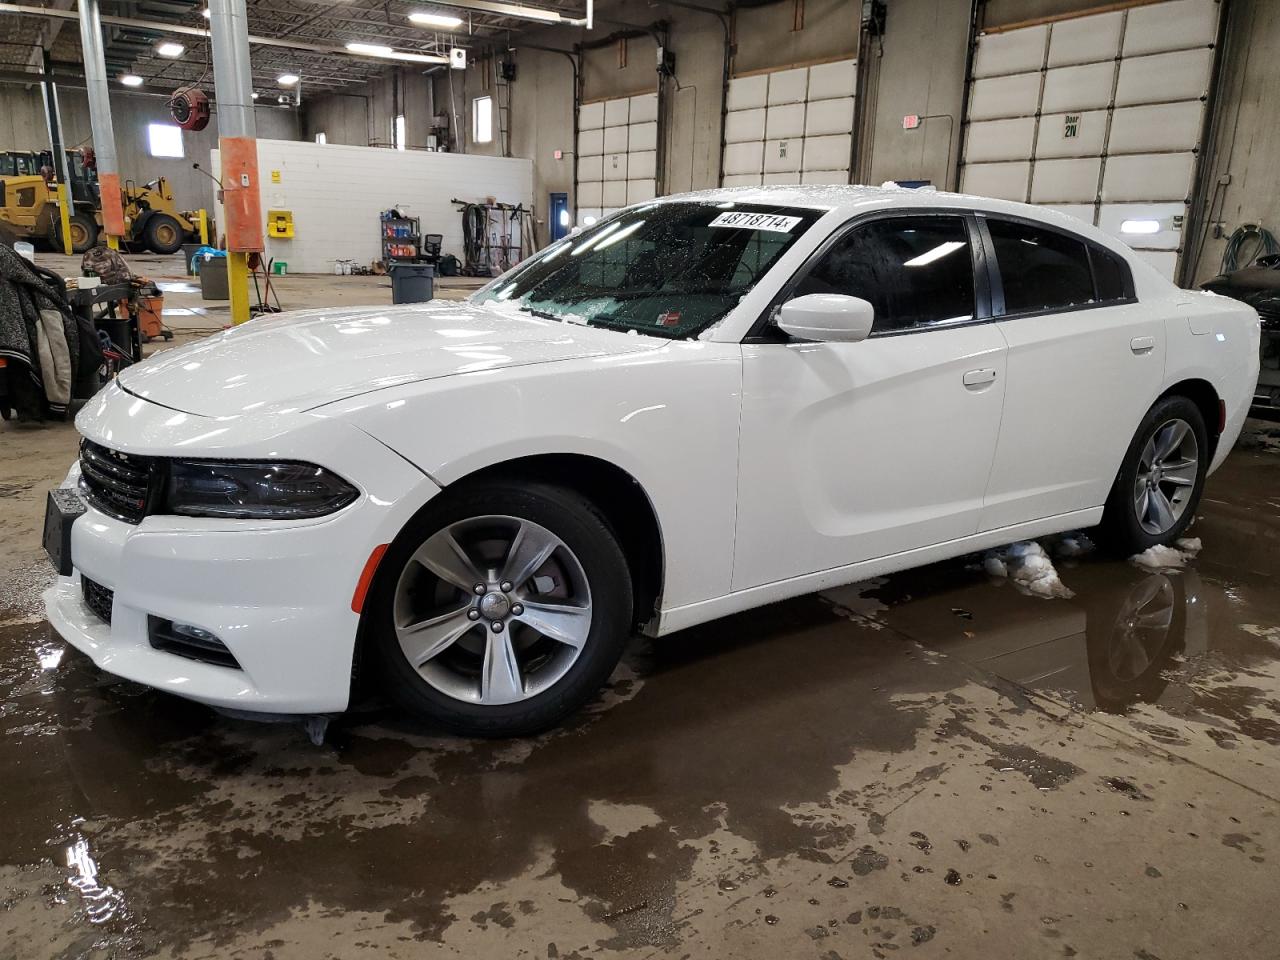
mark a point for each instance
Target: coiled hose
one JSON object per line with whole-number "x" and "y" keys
{"x": 1249, "y": 242}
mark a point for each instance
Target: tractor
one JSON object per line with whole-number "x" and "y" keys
{"x": 29, "y": 206}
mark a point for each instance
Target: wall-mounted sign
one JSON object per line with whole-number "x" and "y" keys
{"x": 910, "y": 121}
{"x": 1071, "y": 126}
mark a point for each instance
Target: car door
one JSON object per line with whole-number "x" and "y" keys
{"x": 852, "y": 451}
{"x": 1086, "y": 360}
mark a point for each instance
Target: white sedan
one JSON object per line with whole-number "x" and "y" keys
{"x": 699, "y": 405}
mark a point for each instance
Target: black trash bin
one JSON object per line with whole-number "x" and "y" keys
{"x": 412, "y": 282}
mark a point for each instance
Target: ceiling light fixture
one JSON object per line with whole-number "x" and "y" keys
{"x": 520, "y": 11}
{"x": 170, "y": 49}
{"x": 386, "y": 53}
{"x": 255, "y": 94}
{"x": 131, "y": 80}
{"x": 206, "y": 13}
{"x": 435, "y": 20}
{"x": 1140, "y": 226}
{"x": 287, "y": 79}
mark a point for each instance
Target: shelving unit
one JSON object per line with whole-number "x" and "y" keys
{"x": 401, "y": 237}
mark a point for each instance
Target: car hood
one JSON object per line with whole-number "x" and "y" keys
{"x": 298, "y": 361}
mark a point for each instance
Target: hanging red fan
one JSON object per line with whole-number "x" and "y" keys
{"x": 190, "y": 109}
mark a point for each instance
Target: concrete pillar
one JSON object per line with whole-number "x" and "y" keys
{"x": 104, "y": 136}
{"x": 237, "y": 145}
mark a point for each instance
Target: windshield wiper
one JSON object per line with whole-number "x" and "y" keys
{"x": 541, "y": 314}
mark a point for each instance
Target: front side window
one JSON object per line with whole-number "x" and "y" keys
{"x": 915, "y": 271}
{"x": 1040, "y": 269}
{"x": 667, "y": 269}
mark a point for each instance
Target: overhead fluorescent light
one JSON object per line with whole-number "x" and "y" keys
{"x": 170, "y": 49}
{"x": 1140, "y": 226}
{"x": 386, "y": 53}
{"x": 937, "y": 253}
{"x": 435, "y": 20}
{"x": 287, "y": 79}
{"x": 370, "y": 49}
{"x": 518, "y": 10}
{"x": 131, "y": 80}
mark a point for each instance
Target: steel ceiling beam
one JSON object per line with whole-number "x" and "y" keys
{"x": 161, "y": 27}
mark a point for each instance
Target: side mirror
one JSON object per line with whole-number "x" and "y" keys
{"x": 827, "y": 317}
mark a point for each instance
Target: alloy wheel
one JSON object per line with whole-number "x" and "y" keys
{"x": 1166, "y": 477}
{"x": 492, "y": 610}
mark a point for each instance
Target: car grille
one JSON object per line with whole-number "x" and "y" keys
{"x": 116, "y": 483}
{"x": 97, "y": 597}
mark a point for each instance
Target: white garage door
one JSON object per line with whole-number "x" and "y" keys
{"x": 617, "y": 154}
{"x": 790, "y": 126}
{"x": 1098, "y": 116}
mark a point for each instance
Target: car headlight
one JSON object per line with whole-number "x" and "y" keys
{"x": 257, "y": 490}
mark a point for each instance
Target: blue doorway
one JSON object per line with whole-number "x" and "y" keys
{"x": 561, "y": 219}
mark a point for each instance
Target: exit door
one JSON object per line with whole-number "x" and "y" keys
{"x": 560, "y": 216}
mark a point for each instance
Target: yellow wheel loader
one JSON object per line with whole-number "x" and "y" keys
{"x": 29, "y": 210}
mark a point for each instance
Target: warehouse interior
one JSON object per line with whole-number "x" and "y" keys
{"x": 939, "y": 761}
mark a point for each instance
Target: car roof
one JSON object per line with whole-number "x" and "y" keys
{"x": 850, "y": 199}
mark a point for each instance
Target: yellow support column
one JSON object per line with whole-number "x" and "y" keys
{"x": 238, "y": 286}
{"x": 113, "y": 241}
{"x": 64, "y": 216}
{"x": 204, "y": 227}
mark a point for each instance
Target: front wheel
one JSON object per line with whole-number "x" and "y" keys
{"x": 1156, "y": 492}
{"x": 84, "y": 233}
{"x": 162, "y": 234}
{"x": 502, "y": 609}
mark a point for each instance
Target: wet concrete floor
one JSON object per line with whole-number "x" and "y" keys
{"x": 933, "y": 764}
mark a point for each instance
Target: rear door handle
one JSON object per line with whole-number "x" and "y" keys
{"x": 976, "y": 378}
{"x": 1142, "y": 344}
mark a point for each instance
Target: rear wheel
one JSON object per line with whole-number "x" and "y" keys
{"x": 501, "y": 610}
{"x": 84, "y": 233}
{"x": 1158, "y": 487}
{"x": 162, "y": 234}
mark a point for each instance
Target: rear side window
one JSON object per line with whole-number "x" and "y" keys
{"x": 916, "y": 271}
{"x": 1040, "y": 269}
{"x": 1110, "y": 275}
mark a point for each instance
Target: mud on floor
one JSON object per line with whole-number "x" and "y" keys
{"x": 936, "y": 764}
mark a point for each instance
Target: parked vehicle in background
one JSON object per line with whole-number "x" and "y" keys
{"x": 1258, "y": 285}
{"x": 702, "y": 404}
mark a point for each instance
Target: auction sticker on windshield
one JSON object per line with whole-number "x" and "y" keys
{"x": 756, "y": 221}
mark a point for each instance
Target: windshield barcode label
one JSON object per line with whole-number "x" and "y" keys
{"x": 756, "y": 221}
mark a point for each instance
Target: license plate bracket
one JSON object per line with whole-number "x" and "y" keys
{"x": 61, "y": 509}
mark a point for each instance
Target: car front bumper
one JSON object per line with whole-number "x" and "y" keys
{"x": 278, "y": 595}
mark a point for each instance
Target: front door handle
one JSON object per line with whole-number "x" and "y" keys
{"x": 977, "y": 378}
{"x": 1142, "y": 345}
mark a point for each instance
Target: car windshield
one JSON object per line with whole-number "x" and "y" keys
{"x": 665, "y": 269}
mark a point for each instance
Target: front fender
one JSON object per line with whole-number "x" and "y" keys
{"x": 668, "y": 418}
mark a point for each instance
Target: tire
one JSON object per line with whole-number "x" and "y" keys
{"x": 84, "y": 233}
{"x": 1178, "y": 482}
{"x": 162, "y": 234}
{"x": 570, "y": 557}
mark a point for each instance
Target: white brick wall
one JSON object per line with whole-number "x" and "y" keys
{"x": 336, "y": 193}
